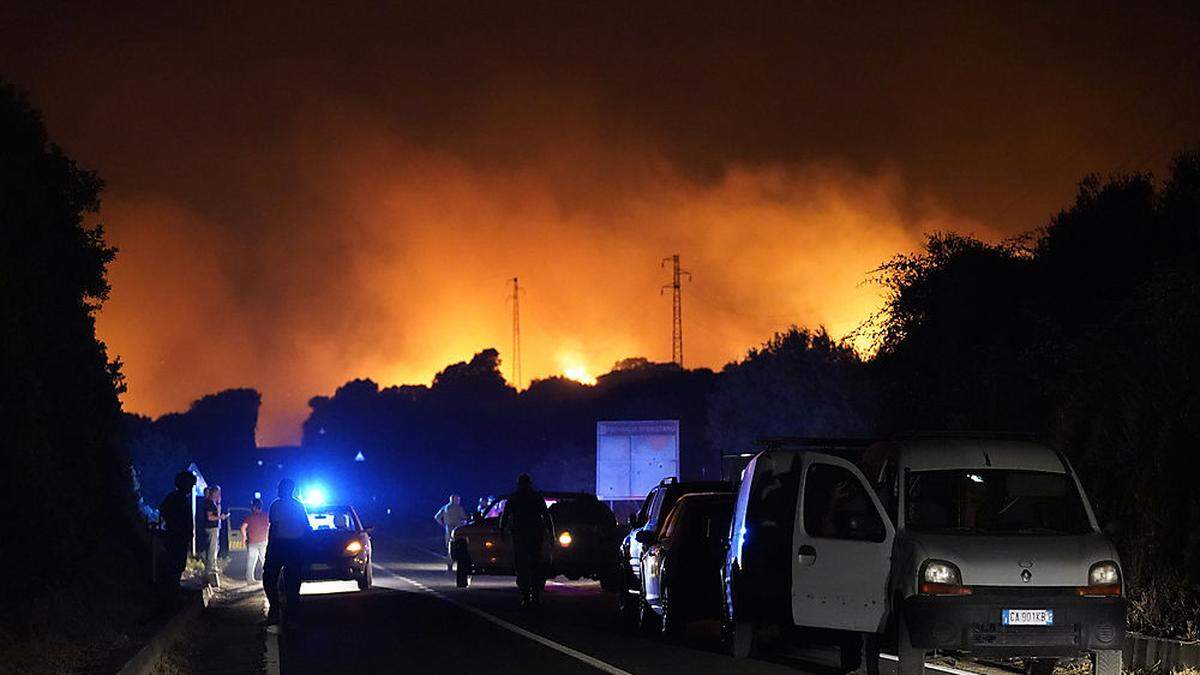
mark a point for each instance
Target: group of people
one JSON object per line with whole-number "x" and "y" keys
{"x": 526, "y": 521}
{"x": 273, "y": 539}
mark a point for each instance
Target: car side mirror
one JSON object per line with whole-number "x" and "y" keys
{"x": 368, "y": 529}
{"x": 645, "y": 537}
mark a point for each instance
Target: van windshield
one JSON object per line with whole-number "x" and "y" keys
{"x": 994, "y": 501}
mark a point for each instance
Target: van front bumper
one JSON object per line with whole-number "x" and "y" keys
{"x": 974, "y": 623}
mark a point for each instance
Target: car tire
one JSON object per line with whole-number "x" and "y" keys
{"x": 737, "y": 638}
{"x": 367, "y": 578}
{"x": 851, "y": 652}
{"x": 462, "y": 573}
{"x": 670, "y": 625}
{"x": 911, "y": 659}
{"x": 649, "y": 622}
{"x": 627, "y": 609}
{"x": 1106, "y": 662}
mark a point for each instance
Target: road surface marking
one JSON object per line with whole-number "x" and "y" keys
{"x": 558, "y": 647}
{"x": 933, "y": 666}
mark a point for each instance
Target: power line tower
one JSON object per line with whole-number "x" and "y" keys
{"x": 677, "y": 308}
{"x": 516, "y": 333}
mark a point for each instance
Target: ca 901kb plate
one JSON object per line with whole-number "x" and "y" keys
{"x": 1027, "y": 617}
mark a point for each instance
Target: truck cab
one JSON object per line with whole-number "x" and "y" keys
{"x": 972, "y": 545}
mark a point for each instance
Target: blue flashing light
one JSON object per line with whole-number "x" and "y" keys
{"x": 313, "y": 495}
{"x": 260, "y": 462}
{"x": 360, "y": 457}
{"x": 257, "y": 494}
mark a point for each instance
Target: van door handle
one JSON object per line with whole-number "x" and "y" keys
{"x": 807, "y": 555}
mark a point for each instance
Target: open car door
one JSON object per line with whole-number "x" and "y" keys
{"x": 842, "y": 548}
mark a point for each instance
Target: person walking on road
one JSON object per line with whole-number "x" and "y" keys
{"x": 285, "y": 550}
{"x": 254, "y": 533}
{"x": 527, "y": 520}
{"x": 212, "y": 526}
{"x": 450, "y": 516}
{"x": 176, "y": 514}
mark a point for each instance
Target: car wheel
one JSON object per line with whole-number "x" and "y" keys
{"x": 649, "y": 623}
{"x": 1106, "y": 662}
{"x": 627, "y": 609}
{"x": 912, "y": 659}
{"x": 851, "y": 648}
{"x": 367, "y": 578}
{"x": 671, "y": 626}
{"x": 737, "y": 638}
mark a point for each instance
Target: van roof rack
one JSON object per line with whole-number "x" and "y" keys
{"x": 669, "y": 480}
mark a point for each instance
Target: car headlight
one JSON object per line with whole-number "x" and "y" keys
{"x": 939, "y": 577}
{"x": 1104, "y": 580}
{"x": 354, "y": 547}
{"x": 564, "y": 539}
{"x": 1104, "y": 574}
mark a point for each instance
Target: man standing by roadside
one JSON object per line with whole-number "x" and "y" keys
{"x": 450, "y": 516}
{"x": 176, "y": 514}
{"x": 254, "y": 533}
{"x": 527, "y": 520}
{"x": 285, "y": 550}
{"x": 212, "y": 526}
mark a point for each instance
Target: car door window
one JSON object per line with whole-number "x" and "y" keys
{"x": 838, "y": 506}
{"x": 671, "y": 525}
{"x": 655, "y": 510}
{"x": 496, "y": 510}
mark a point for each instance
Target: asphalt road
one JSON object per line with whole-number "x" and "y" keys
{"x": 416, "y": 621}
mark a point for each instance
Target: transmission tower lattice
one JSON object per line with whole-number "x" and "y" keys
{"x": 676, "y": 307}
{"x": 516, "y": 333}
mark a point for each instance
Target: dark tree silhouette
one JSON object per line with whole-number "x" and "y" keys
{"x": 64, "y": 465}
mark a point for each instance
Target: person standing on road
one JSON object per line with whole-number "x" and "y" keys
{"x": 285, "y": 550}
{"x": 527, "y": 520}
{"x": 450, "y": 516}
{"x": 176, "y": 514}
{"x": 254, "y": 533}
{"x": 212, "y": 526}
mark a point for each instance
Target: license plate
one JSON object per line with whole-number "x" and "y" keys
{"x": 320, "y": 567}
{"x": 1028, "y": 617}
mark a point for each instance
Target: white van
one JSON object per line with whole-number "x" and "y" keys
{"x": 963, "y": 544}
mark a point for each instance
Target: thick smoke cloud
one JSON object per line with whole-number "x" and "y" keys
{"x": 309, "y": 195}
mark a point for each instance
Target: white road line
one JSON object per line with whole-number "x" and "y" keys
{"x": 561, "y": 648}
{"x": 933, "y": 666}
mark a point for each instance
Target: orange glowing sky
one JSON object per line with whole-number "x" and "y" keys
{"x": 309, "y": 196}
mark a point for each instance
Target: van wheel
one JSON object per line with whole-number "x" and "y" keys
{"x": 737, "y": 638}
{"x": 1040, "y": 666}
{"x": 851, "y": 648}
{"x": 912, "y": 659}
{"x": 1106, "y": 662}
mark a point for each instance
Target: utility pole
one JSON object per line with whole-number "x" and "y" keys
{"x": 516, "y": 335}
{"x": 676, "y": 308}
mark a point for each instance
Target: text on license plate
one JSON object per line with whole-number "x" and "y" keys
{"x": 1028, "y": 617}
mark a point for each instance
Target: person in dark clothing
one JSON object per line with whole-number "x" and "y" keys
{"x": 285, "y": 552}
{"x": 176, "y": 514}
{"x": 527, "y": 520}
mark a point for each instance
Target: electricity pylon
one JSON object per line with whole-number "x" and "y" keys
{"x": 676, "y": 308}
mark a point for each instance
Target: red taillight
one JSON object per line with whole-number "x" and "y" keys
{"x": 929, "y": 588}
{"x": 1106, "y": 591}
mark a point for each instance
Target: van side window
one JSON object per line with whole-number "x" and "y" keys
{"x": 656, "y": 509}
{"x": 838, "y": 506}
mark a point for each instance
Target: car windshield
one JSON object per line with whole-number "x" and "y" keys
{"x": 579, "y": 510}
{"x": 994, "y": 501}
{"x": 332, "y": 518}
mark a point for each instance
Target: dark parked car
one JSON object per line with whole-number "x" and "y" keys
{"x": 339, "y": 547}
{"x": 584, "y": 536}
{"x": 650, "y": 518}
{"x": 681, "y": 567}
